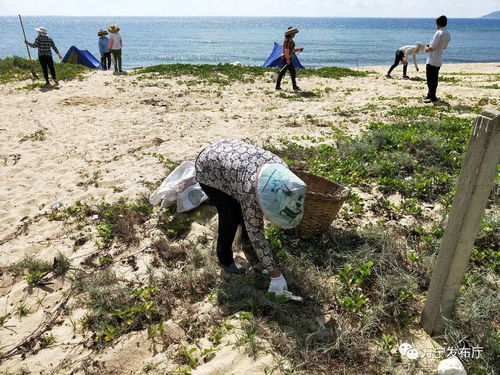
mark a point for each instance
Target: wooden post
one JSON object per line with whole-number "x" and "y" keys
{"x": 474, "y": 186}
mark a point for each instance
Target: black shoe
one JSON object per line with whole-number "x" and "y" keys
{"x": 406, "y": 77}
{"x": 388, "y": 75}
{"x": 278, "y": 88}
{"x": 297, "y": 88}
{"x": 233, "y": 268}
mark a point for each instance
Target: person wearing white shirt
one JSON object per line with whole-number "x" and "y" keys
{"x": 403, "y": 54}
{"x": 435, "y": 48}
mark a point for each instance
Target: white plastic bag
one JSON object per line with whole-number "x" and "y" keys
{"x": 180, "y": 186}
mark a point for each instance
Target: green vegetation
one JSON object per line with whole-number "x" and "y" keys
{"x": 14, "y": 69}
{"x": 22, "y": 310}
{"x": 332, "y": 72}
{"x": 114, "y": 221}
{"x": 35, "y": 271}
{"x": 221, "y": 74}
{"x": 114, "y": 308}
{"x": 449, "y": 79}
{"x": 494, "y": 86}
{"x": 225, "y": 74}
{"x": 48, "y": 340}
{"x": 417, "y": 159}
{"x": 434, "y": 112}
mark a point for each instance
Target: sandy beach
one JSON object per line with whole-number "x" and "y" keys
{"x": 109, "y": 136}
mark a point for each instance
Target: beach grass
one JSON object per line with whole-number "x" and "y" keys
{"x": 224, "y": 74}
{"x": 14, "y": 69}
{"x": 333, "y": 72}
{"x": 206, "y": 73}
{"x": 418, "y": 159}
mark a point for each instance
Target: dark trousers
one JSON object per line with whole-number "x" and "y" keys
{"x": 397, "y": 60}
{"x": 117, "y": 55}
{"x": 282, "y": 72}
{"x": 47, "y": 63}
{"x": 432, "y": 74}
{"x": 230, "y": 217}
{"x": 106, "y": 60}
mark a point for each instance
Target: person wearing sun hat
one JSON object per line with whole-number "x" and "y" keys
{"x": 247, "y": 183}
{"x": 115, "y": 45}
{"x": 104, "y": 49}
{"x": 45, "y": 46}
{"x": 288, "y": 51}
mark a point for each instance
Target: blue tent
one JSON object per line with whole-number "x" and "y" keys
{"x": 274, "y": 59}
{"x": 83, "y": 57}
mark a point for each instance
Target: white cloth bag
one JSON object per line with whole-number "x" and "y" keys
{"x": 180, "y": 186}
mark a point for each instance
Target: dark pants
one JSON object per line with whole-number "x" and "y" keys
{"x": 432, "y": 73}
{"x": 117, "y": 55}
{"x": 397, "y": 60}
{"x": 282, "y": 72}
{"x": 47, "y": 63}
{"x": 106, "y": 60}
{"x": 230, "y": 217}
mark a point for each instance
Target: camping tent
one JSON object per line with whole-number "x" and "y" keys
{"x": 274, "y": 60}
{"x": 83, "y": 57}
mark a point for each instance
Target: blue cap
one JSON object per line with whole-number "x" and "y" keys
{"x": 280, "y": 194}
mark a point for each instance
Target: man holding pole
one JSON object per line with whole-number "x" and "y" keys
{"x": 45, "y": 45}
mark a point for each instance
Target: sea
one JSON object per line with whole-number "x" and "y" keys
{"x": 347, "y": 42}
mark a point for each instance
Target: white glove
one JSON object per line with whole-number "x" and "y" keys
{"x": 277, "y": 285}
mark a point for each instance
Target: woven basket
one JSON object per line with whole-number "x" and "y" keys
{"x": 323, "y": 201}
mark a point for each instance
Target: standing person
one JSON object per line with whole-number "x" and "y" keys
{"x": 403, "y": 54}
{"x": 246, "y": 183}
{"x": 45, "y": 46}
{"x": 115, "y": 45}
{"x": 104, "y": 49}
{"x": 435, "y": 48}
{"x": 288, "y": 51}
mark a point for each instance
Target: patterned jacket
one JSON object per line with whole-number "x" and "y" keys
{"x": 230, "y": 165}
{"x": 44, "y": 45}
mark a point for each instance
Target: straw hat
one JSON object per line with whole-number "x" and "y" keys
{"x": 291, "y": 31}
{"x": 41, "y": 30}
{"x": 102, "y": 32}
{"x": 113, "y": 28}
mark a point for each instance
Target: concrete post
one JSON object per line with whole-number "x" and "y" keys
{"x": 474, "y": 186}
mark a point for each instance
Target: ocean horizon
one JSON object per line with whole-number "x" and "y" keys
{"x": 327, "y": 41}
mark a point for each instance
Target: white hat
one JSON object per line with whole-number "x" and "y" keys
{"x": 280, "y": 194}
{"x": 41, "y": 30}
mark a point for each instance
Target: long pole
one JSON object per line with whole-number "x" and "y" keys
{"x": 27, "y": 49}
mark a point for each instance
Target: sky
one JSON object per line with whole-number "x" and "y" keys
{"x": 288, "y": 8}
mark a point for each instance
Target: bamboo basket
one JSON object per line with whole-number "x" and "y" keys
{"x": 323, "y": 201}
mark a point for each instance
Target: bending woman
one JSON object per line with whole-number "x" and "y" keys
{"x": 403, "y": 54}
{"x": 246, "y": 182}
